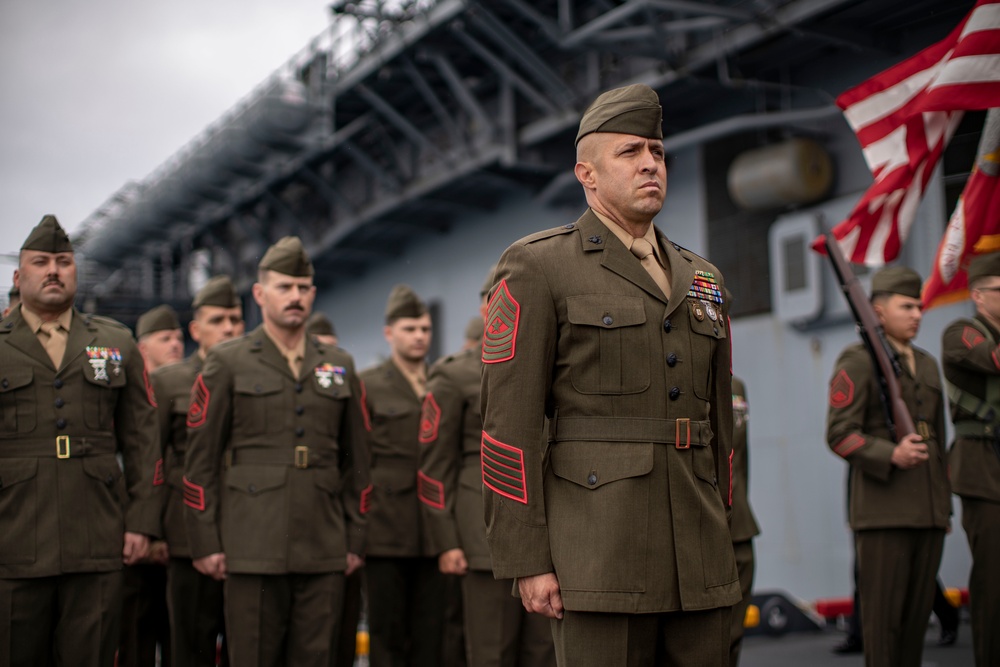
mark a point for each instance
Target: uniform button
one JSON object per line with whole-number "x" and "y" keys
{"x": 257, "y": 388}
{"x": 592, "y": 479}
{"x": 671, "y": 360}
{"x": 298, "y": 387}
{"x": 569, "y": 226}
{"x": 299, "y": 409}
{"x": 60, "y": 423}
{"x": 58, "y": 383}
{"x": 299, "y": 431}
{"x": 60, "y": 403}
{"x": 608, "y": 320}
{"x": 4, "y": 383}
{"x": 675, "y": 393}
{"x": 667, "y": 326}
{"x": 109, "y": 480}
{"x": 716, "y": 330}
{"x": 252, "y": 488}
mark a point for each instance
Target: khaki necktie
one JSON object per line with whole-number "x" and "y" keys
{"x": 642, "y": 249}
{"x": 54, "y": 341}
{"x": 909, "y": 359}
{"x": 294, "y": 363}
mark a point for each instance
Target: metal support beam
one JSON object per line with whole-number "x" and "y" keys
{"x": 534, "y": 96}
{"x": 432, "y": 100}
{"x": 354, "y": 152}
{"x": 326, "y": 190}
{"x": 462, "y": 93}
{"x": 397, "y": 119}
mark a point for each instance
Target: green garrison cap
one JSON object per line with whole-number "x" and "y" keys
{"x": 319, "y": 324}
{"x": 897, "y": 280}
{"x": 474, "y": 329}
{"x": 984, "y": 265}
{"x": 633, "y": 109}
{"x": 218, "y": 291}
{"x": 161, "y": 318}
{"x": 14, "y": 293}
{"x": 288, "y": 257}
{"x": 48, "y": 236}
{"x": 403, "y": 302}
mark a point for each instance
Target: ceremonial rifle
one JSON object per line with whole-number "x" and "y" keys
{"x": 884, "y": 358}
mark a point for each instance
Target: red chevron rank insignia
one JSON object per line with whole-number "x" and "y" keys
{"x": 430, "y": 419}
{"x": 971, "y": 337}
{"x": 158, "y": 473}
{"x": 430, "y": 491}
{"x": 841, "y": 390}
{"x": 500, "y": 334}
{"x": 200, "y": 397}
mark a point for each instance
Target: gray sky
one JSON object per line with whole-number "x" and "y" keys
{"x": 98, "y": 93}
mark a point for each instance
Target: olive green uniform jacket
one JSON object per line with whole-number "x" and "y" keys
{"x": 450, "y": 482}
{"x": 275, "y": 464}
{"x": 743, "y": 525}
{"x": 395, "y": 526}
{"x": 65, "y": 502}
{"x": 172, "y": 386}
{"x": 883, "y": 496}
{"x": 969, "y": 360}
{"x": 628, "y": 506}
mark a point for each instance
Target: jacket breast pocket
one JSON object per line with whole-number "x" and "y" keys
{"x": 257, "y": 404}
{"x": 395, "y": 422}
{"x": 597, "y": 508}
{"x": 706, "y": 335}
{"x": 255, "y": 512}
{"x": 18, "y": 506}
{"x": 609, "y": 344}
{"x": 17, "y": 400}
{"x": 100, "y": 395}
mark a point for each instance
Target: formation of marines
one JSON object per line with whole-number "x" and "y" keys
{"x": 494, "y": 509}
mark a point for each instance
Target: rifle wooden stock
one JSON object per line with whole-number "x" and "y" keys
{"x": 883, "y": 356}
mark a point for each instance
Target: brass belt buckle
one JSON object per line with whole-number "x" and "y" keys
{"x": 677, "y": 433}
{"x": 301, "y": 456}
{"x": 923, "y": 429}
{"x": 62, "y": 446}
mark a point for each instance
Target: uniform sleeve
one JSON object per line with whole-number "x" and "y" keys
{"x": 963, "y": 345}
{"x": 851, "y": 393}
{"x": 354, "y": 467}
{"x": 209, "y": 421}
{"x": 440, "y": 451}
{"x": 721, "y": 416}
{"x": 164, "y": 409}
{"x": 519, "y": 344}
{"x": 138, "y": 438}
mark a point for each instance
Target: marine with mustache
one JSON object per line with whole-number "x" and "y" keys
{"x": 274, "y": 471}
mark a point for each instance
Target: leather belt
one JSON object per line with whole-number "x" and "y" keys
{"x": 681, "y": 433}
{"x": 300, "y": 457}
{"x": 60, "y": 447}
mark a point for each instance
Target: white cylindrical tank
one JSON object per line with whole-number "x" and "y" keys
{"x": 796, "y": 171}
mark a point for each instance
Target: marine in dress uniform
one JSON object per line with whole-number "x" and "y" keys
{"x": 899, "y": 503}
{"x": 73, "y": 394}
{"x": 971, "y": 358}
{"x": 618, "y": 528}
{"x": 743, "y": 525}
{"x": 498, "y": 630}
{"x": 13, "y": 299}
{"x": 145, "y": 622}
{"x": 194, "y": 600}
{"x": 274, "y": 472}
{"x": 406, "y": 592}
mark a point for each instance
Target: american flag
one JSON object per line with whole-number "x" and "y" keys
{"x": 904, "y": 118}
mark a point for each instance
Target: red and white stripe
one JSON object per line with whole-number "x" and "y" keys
{"x": 904, "y": 118}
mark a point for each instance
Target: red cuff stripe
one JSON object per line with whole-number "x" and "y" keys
{"x": 503, "y": 469}
{"x": 430, "y": 491}
{"x": 158, "y": 473}
{"x": 849, "y": 444}
{"x": 194, "y": 495}
{"x": 430, "y": 420}
{"x": 366, "y": 499}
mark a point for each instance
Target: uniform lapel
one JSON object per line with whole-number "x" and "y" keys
{"x": 269, "y": 353}
{"x": 24, "y": 339}
{"x": 616, "y": 257}
{"x": 81, "y": 335}
{"x": 399, "y": 380}
{"x": 681, "y": 272}
{"x": 313, "y": 357}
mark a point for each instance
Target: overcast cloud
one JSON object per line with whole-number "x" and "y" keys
{"x": 99, "y": 93}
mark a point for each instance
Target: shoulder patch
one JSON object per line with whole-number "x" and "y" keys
{"x": 430, "y": 419}
{"x": 500, "y": 335}
{"x": 198, "y": 410}
{"x": 841, "y": 390}
{"x": 972, "y": 337}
